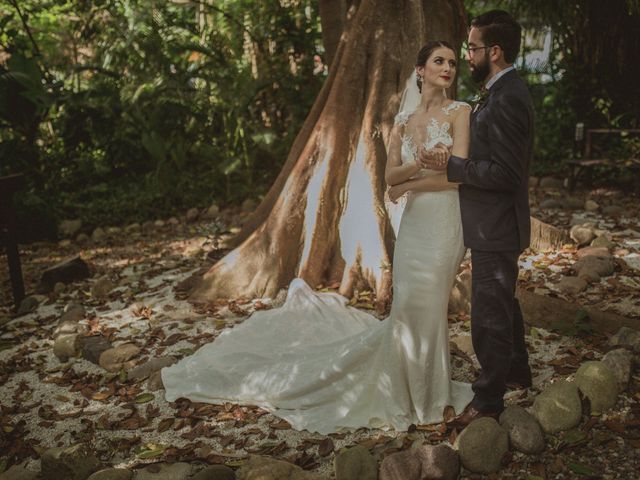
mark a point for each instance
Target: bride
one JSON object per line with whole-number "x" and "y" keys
{"x": 324, "y": 366}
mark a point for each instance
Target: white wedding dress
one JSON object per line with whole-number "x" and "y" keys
{"x": 324, "y": 366}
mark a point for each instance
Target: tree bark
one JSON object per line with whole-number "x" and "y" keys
{"x": 333, "y": 18}
{"x": 325, "y": 219}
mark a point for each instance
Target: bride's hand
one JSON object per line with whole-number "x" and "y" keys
{"x": 435, "y": 158}
{"x": 395, "y": 192}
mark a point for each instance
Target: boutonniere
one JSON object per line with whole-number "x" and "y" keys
{"x": 479, "y": 99}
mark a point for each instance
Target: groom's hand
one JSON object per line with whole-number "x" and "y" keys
{"x": 435, "y": 158}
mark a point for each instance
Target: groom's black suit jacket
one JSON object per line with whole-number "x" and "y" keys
{"x": 494, "y": 195}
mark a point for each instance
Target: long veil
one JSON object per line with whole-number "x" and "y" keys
{"x": 409, "y": 102}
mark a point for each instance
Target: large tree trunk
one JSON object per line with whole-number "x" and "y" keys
{"x": 325, "y": 218}
{"x": 333, "y": 18}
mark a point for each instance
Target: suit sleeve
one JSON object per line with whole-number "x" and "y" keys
{"x": 508, "y": 132}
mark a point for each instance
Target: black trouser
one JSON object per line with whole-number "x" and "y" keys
{"x": 497, "y": 327}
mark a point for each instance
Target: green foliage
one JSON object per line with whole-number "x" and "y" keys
{"x": 134, "y": 109}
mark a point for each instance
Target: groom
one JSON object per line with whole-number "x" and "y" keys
{"x": 494, "y": 205}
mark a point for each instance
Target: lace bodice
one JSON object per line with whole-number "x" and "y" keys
{"x": 436, "y": 132}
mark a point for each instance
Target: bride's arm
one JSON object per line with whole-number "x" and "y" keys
{"x": 430, "y": 183}
{"x": 395, "y": 172}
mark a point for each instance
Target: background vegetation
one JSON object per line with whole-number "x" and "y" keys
{"x": 128, "y": 110}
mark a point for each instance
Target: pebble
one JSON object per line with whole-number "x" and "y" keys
{"x": 215, "y": 472}
{"x": 98, "y": 235}
{"x": 482, "y": 444}
{"x": 620, "y": 362}
{"x": 436, "y": 462}
{"x": 101, "y": 288}
{"x": 558, "y": 407}
{"x": 355, "y": 463}
{"x": 525, "y": 434}
{"x": 76, "y": 462}
{"x": 598, "y": 383}
{"x": 626, "y": 337}
{"x": 165, "y": 471}
{"x": 115, "y": 358}
{"x": 591, "y": 206}
{"x": 571, "y": 285}
{"x": 153, "y": 365}
{"x": 112, "y": 474}
{"x": 66, "y": 346}
{"x": 265, "y": 468}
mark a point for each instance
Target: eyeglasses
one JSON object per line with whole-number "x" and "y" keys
{"x": 466, "y": 48}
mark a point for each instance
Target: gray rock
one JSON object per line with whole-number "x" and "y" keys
{"x": 482, "y": 445}
{"x": 83, "y": 238}
{"x": 73, "y": 312}
{"x": 114, "y": 231}
{"x": 76, "y": 462}
{"x": 173, "y": 221}
{"x": 435, "y": 462}
{"x": 212, "y": 212}
{"x": 18, "y": 472}
{"x": 101, "y": 288}
{"x": 112, "y": 474}
{"x": 602, "y": 241}
{"x": 591, "y": 206}
{"x": 67, "y": 271}
{"x": 66, "y": 346}
{"x": 69, "y": 228}
{"x": 612, "y": 210}
{"x": 598, "y": 383}
{"x": 98, "y": 235}
{"x": 155, "y": 382}
{"x": 192, "y": 214}
{"x": 165, "y": 471}
{"x": 66, "y": 328}
{"x": 571, "y": 285}
{"x": 573, "y": 203}
{"x": 582, "y": 234}
{"x": 28, "y": 304}
{"x": 215, "y": 472}
{"x": 464, "y": 343}
{"x": 114, "y": 359}
{"x": 620, "y": 362}
{"x": 626, "y": 337}
{"x": 355, "y": 463}
{"x": 153, "y": 365}
{"x": 558, "y": 407}
{"x": 525, "y": 434}
{"x": 59, "y": 288}
{"x": 159, "y": 223}
{"x": 551, "y": 182}
{"x": 534, "y": 181}
{"x": 148, "y": 226}
{"x": 592, "y": 251}
{"x": 551, "y": 203}
{"x": 133, "y": 228}
{"x": 265, "y": 468}
{"x": 64, "y": 243}
{"x": 589, "y": 275}
{"x": 602, "y": 266}
{"x": 93, "y": 347}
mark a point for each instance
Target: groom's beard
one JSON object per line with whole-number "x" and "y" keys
{"x": 481, "y": 70}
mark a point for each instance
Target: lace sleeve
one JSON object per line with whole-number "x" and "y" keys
{"x": 402, "y": 118}
{"x": 452, "y": 107}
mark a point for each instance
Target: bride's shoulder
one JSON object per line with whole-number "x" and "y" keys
{"x": 454, "y": 106}
{"x": 402, "y": 118}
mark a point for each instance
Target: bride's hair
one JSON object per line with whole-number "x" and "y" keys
{"x": 426, "y": 51}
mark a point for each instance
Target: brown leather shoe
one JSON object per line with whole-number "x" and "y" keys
{"x": 469, "y": 415}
